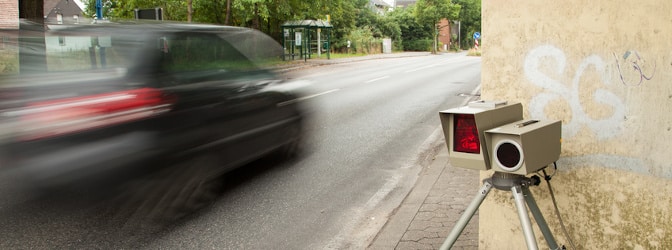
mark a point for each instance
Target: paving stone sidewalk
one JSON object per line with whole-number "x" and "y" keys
{"x": 431, "y": 209}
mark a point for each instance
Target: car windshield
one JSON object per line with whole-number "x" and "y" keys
{"x": 67, "y": 49}
{"x": 78, "y": 52}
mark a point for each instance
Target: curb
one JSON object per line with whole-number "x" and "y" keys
{"x": 393, "y": 231}
{"x": 316, "y": 62}
{"x": 431, "y": 209}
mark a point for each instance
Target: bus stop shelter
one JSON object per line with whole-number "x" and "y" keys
{"x": 301, "y": 39}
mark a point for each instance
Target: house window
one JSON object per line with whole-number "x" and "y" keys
{"x": 76, "y": 18}
{"x": 61, "y": 40}
{"x": 59, "y": 18}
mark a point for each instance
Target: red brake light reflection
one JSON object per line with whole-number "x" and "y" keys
{"x": 51, "y": 118}
{"x": 466, "y": 134}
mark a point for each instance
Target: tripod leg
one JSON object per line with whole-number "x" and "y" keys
{"x": 532, "y": 205}
{"x": 467, "y": 215}
{"x": 524, "y": 218}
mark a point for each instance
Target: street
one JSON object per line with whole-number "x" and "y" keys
{"x": 371, "y": 126}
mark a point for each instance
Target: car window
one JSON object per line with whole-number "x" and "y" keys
{"x": 77, "y": 53}
{"x": 193, "y": 52}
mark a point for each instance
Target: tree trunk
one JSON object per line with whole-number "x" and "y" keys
{"x": 32, "y": 10}
{"x": 227, "y": 20}
{"x": 255, "y": 19}
{"x": 190, "y": 10}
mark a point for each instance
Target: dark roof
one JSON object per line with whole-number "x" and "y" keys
{"x": 308, "y": 24}
{"x": 65, "y": 7}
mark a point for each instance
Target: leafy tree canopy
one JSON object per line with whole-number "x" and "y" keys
{"x": 430, "y": 12}
{"x": 347, "y": 16}
{"x": 470, "y": 19}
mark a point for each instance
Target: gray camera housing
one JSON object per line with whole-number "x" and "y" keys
{"x": 486, "y": 115}
{"x": 524, "y": 147}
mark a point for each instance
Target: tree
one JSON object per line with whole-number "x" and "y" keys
{"x": 265, "y": 15}
{"x": 470, "y": 19}
{"x": 190, "y": 10}
{"x": 430, "y": 13}
{"x": 227, "y": 21}
{"x": 412, "y": 33}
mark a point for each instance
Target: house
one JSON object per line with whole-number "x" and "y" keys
{"x": 62, "y": 11}
{"x": 10, "y": 15}
{"x": 380, "y": 6}
{"x": 37, "y": 15}
{"x": 403, "y": 3}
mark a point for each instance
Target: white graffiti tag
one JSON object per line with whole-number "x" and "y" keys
{"x": 555, "y": 91}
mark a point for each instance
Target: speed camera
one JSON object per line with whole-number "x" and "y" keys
{"x": 524, "y": 147}
{"x": 464, "y": 129}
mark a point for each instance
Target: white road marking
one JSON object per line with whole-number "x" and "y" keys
{"x": 306, "y": 97}
{"x": 421, "y": 68}
{"x": 446, "y": 62}
{"x": 377, "y": 79}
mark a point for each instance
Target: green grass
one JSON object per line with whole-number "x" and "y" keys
{"x": 343, "y": 55}
{"x": 9, "y": 62}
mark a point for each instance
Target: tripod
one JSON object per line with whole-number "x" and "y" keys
{"x": 519, "y": 186}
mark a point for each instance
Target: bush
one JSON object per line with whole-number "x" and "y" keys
{"x": 418, "y": 45}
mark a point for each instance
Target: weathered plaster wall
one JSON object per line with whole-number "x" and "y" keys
{"x": 605, "y": 69}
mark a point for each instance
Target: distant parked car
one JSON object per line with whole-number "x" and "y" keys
{"x": 121, "y": 100}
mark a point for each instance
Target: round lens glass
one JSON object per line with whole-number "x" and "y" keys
{"x": 508, "y": 155}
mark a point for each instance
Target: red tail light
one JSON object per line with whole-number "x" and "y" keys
{"x": 466, "y": 134}
{"x": 55, "y": 117}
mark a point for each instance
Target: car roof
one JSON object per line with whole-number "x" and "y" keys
{"x": 143, "y": 26}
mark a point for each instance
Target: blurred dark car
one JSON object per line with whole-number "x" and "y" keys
{"x": 122, "y": 100}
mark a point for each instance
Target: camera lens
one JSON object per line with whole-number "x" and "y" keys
{"x": 508, "y": 156}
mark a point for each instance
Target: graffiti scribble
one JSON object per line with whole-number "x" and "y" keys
{"x": 555, "y": 90}
{"x": 638, "y": 67}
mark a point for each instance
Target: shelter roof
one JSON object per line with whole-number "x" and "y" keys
{"x": 308, "y": 24}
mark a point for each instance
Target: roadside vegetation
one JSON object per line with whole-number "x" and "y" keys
{"x": 413, "y": 28}
{"x": 474, "y": 52}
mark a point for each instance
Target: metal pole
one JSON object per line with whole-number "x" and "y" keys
{"x": 541, "y": 222}
{"x": 99, "y": 9}
{"x": 467, "y": 215}
{"x": 459, "y": 34}
{"x": 319, "y": 43}
{"x": 524, "y": 218}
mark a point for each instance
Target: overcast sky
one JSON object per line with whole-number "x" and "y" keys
{"x": 80, "y": 3}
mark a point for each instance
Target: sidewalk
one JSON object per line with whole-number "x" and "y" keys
{"x": 431, "y": 209}
{"x": 298, "y": 64}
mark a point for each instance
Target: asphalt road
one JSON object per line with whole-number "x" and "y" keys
{"x": 372, "y": 124}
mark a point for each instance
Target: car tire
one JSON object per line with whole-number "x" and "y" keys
{"x": 294, "y": 147}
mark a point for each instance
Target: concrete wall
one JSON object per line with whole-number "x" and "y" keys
{"x": 605, "y": 69}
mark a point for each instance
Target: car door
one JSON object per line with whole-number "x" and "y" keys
{"x": 220, "y": 106}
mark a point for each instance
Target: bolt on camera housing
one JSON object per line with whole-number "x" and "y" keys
{"x": 486, "y": 135}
